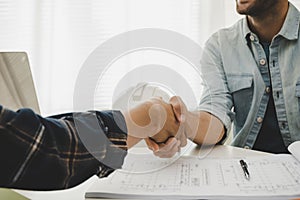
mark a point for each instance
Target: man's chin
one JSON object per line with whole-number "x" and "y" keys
{"x": 241, "y": 11}
{"x": 243, "y": 6}
{"x": 245, "y": 9}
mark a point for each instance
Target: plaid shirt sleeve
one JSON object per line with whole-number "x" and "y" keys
{"x": 39, "y": 153}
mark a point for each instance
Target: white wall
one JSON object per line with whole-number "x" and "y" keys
{"x": 59, "y": 34}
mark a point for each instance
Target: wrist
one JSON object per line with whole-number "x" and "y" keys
{"x": 138, "y": 121}
{"x": 131, "y": 141}
{"x": 191, "y": 124}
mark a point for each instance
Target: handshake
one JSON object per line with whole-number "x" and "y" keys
{"x": 161, "y": 124}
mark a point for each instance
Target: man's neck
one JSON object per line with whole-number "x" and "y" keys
{"x": 268, "y": 24}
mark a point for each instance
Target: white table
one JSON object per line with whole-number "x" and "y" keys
{"x": 77, "y": 193}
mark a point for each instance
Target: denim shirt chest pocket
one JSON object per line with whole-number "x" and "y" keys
{"x": 241, "y": 89}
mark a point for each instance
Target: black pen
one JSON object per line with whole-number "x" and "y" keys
{"x": 245, "y": 169}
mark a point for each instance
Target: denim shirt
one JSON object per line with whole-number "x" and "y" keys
{"x": 234, "y": 89}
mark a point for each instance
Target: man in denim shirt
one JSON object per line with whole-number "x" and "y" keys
{"x": 251, "y": 74}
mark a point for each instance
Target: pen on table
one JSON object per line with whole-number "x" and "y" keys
{"x": 245, "y": 169}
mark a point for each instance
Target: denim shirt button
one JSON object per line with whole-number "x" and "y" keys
{"x": 268, "y": 90}
{"x": 246, "y": 147}
{"x": 260, "y": 120}
{"x": 262, "y": 62}
{"x": 252, "y": 38}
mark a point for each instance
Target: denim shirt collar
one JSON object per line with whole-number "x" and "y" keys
{"x": 290, "y": 28}
{"x": 246, "y": 29}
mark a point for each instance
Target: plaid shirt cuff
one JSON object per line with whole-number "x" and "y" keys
{"x": 116, "y": 132}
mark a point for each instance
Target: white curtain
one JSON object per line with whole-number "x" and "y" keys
{"x": 58, "y": 35}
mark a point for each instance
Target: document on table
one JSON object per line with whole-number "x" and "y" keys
{"x": 193, "y": 178}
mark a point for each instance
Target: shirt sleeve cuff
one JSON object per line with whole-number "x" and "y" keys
{"x": 116, "y": 132}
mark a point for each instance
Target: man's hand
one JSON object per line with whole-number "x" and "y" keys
{"x": 166, "y": 150}
{"x": 170, "y": 127}
{"x": 153, "y": 118}
{"x": 170, "y": 147}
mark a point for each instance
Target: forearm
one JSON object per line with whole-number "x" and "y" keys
{"x": 47, "y": 153}
{"x": 135, "y": 119}
{"x": 203, "y": 128}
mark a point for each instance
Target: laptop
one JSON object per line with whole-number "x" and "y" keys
{"x": 16, "y": 83}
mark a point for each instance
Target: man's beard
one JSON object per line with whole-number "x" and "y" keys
{"x": 257, "y": 8}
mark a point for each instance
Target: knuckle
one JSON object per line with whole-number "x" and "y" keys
{"x": 157, "y": 154}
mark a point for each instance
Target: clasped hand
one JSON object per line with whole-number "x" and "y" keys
{"x": 174, "y": 143}
{"x": 161, "y": 124}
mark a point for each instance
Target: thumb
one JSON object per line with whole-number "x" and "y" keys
{"x": 152, "y": 145}
{"x": 178, "y": 108}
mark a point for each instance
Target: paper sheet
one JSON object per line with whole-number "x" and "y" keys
{"x": 193, "y": 177}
